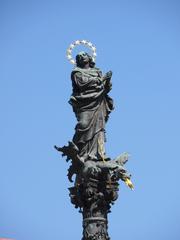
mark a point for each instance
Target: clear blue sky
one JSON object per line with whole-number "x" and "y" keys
{"x": 140, "y": 42}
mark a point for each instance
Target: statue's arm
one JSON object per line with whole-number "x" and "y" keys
{"x": 79, "y": 79}
{"x": 83, "y": 81}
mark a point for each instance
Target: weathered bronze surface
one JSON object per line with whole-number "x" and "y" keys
{"x": 96, "y": 175}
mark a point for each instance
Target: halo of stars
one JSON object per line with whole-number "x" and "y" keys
{"x": 80, "y": 42}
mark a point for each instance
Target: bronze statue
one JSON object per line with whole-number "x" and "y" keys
{"x": 91, "y": 105}
{"x": 97, "y": 176}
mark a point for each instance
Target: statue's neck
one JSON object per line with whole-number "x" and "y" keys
{"x": 86, "y": 66}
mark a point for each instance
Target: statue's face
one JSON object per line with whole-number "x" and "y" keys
{"x": 83, "y": 58}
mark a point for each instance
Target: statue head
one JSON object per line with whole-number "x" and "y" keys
{"x": 83, "y": 59}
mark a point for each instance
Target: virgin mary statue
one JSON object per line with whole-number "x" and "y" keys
{"x": 91, "y": 105}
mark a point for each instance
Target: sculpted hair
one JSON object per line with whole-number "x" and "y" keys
{"x": 78, "y": 60}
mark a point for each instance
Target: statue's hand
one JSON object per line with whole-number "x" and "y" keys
{"x": 108, "y": 75}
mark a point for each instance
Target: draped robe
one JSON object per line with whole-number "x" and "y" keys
{"x": 92, "y": 106}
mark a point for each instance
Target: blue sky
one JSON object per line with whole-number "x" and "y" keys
{"x": 140, "y": 42}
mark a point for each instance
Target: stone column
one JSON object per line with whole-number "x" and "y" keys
{"x": 94, "y": 198}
